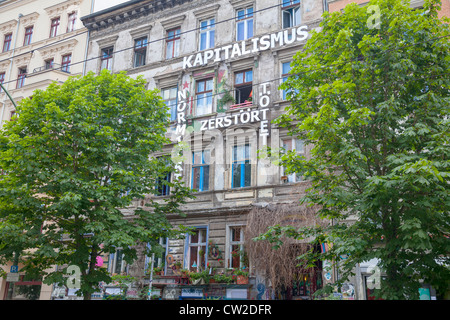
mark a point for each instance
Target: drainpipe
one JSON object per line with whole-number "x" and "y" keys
{"x": 87, "y": 42}
{"x": 10, "y": 68}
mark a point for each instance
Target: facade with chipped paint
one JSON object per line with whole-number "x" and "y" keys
{"x": 218, "y": 65}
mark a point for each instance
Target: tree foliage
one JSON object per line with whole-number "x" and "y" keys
{"x": 74, "y": 159}
{"x": 373, "y": 102}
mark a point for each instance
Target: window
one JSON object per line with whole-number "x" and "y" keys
{"x": 106, "y": 59}
{"x": 116, "y": 263}
{"x": 21, "y": 78}
{"x": 65, "y": 63}
{"x": 241, "y": 167}
{"x": 196, "y": 255}
{"x": 54, "y": 27}
{"x": 169, "y": 96}
{"x": 7, "y": 42}
{"x": 200, "y": 170}
{"x": 2, "y": 79}
{"x": 28, "y": 35}
{"x": 291, "y": 14}
{"x": 297, "y": 146}
{"x": 236, "y": 247}
{"x": 162, "y": 182}
{"x": 49, "y": 64}
{"x": 207, "y": 34}
{"x": 204, "y": 96}
{"x": 244, "y": 23}
{"x": 160, "y": 257}
{"x": 140, "y": 51}
{"x": 243, "y": 86}
{"x": 173, "y": 43}
{"x": 286, "y": 68}
{"x": 72, "y": 18}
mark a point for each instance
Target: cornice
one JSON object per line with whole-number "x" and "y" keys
{"x": 29, "y": 19}
{"x": 124, "y": 13}
{"x": 7, "y": 27}
{"x": 60, "y": 48}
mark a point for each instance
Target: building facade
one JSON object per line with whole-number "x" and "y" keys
{"x": 40, "y": 41}
{"x": 218, "y": 66}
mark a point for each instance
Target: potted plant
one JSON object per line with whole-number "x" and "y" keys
{"x": 241, "y": 276}
{"x": 158, "y": 271}
{"x": 201, "y": 277}
{"x": 223, "y": 278}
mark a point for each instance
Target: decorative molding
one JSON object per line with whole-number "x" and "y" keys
{"x": 60, "y": 48}
{"x": 8, "y": 27}
{"x": 207, "y": 12}
{"x": 139, "y": 32}
{"x": 167, "y": 79}
{"x": 173, "y": 22}
{"x": 22, "y": 60}
{"x": 241, "y": 3}
{"x": 4, "y": 64}
{"x": 58, "y": 9}
{"x": 29, "y": 19}
{"x": 107, "y": 42}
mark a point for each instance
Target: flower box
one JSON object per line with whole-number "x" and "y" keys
{"x": 242, "y": 280}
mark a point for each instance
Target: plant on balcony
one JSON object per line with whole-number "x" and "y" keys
{"x": 200, "y": 277}
{"x": 241, "y": 276}
{"x": 223, "y": 278}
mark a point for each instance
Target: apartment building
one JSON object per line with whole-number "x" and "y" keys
{"x": 218, "y": 65}
{"x": 39, "y": 43}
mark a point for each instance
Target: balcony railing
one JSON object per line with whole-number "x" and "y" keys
{"x": 54, "y": 66}
{"x": 244, "y": 104}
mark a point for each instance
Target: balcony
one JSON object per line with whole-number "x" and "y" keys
{"x": 245, "y": 104}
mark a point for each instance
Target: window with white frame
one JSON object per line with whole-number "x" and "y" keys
{"x": 200, "y": 170}
{"x": 297, "y": 146}
{"x": 285, "y": 70}
{"x": 243, "y": 86}
{"x": 106, "y": 58}
{"x": 116, "y": 263}
{"x": 169, "y": 96}
{"x": 241, "y": 169}
{"x": 244, "y": 23}
{"x": 196, "y": 249}
{"x": 291, "y": 13}
{"x": 235, "y": 247}
{"x": 204, "y": 93}
{"x": 207, "y": 32}
{"x": 160, "y": 257}
{"x": 173, "y": 43}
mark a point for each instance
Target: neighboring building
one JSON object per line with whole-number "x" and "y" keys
{"x": 338, "y": 5}
{"x": 218, "y": 65}
{"x": 40, "y": 40}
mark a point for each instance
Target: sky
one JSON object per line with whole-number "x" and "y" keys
{"x": 103, "y": 4}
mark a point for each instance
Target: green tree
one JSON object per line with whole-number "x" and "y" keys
{"x": 370, "y": 94}
{"x": 74, "y": 159}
